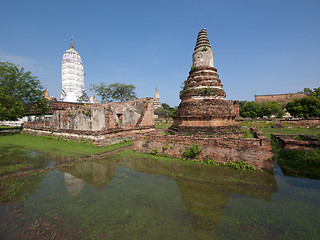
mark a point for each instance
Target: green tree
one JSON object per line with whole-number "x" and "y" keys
{"x": 304, "y": 107}
{"x": 172, "y": 110}
{"x": 114, "y": 92}
{"x": 315, "y": 92}
{"x": 162, "y": 113}
{"x": 272, "y": 108}
{"x": 20, "y": 92}
{"x": 249, "y": 109}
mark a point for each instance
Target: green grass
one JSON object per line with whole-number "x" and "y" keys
{"x": 11, "y": 168}
{"x": 303, "y": 131}
{"x": 162, "y": 126}
{"x": 61, "y": 147}
{"x": 7, "y": 127}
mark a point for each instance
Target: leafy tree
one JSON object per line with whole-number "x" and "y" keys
{"x": 115, "y": 92}
{"x": 314, "y": 92}
{"x": 272, "y": 108}
{"x": 253, "y": 109}
{"x": 20, "y": 92}
{"x": 308, "y": 106}
{"x": 249, "y": 109}
{"x": 172, "y": 110}
{"x": 161, "y": 112}
{"x": 304, "y": 107}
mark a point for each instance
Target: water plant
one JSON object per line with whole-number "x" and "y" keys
{"x": 240, "y": 165}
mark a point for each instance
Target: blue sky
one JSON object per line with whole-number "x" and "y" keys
{"x": 259, "y": 46}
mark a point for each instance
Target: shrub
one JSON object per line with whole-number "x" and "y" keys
{"x": 192, "y": 151}
{"x": 193, "y": 67}
{"x": 154, "y": 151}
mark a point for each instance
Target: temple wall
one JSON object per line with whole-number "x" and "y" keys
{"x": 280, "y": 98}
{"x": 253, "y": 151}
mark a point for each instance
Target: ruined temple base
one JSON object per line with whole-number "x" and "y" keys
{"x": 97, "y": 139}
{"x": 253, "y": 151}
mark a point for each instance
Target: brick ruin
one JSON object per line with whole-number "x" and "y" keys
{"x": 204, "y": 118}
{"x": 297, "y": 142}
{"x": 203, "y": 101}
{"x": 101, "y": 123}
{"x": 253, "y": 151}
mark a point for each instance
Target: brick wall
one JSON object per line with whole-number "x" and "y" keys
{"x": 254, "y": 151}
{"x": 280, "y": 98}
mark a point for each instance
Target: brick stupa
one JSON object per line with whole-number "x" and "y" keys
{"x": 203, "y": 105}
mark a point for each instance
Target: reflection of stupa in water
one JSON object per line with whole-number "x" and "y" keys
{"x": 73, "y": 185}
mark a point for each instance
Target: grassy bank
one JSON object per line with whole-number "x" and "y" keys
{"x": 268, "y": 128}
{"x": 61, "y": 147}
{"x": 296, "y": 131}
{"x": 7, "y": 127}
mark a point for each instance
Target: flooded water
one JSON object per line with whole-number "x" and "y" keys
{"x": 135, "y": 197}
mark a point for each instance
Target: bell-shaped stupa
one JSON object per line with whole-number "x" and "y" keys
{"x": 73, "y": 78}
{"x": 203, "y": 103}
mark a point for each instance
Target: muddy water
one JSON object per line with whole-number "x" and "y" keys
{"x": 135, "y": 197}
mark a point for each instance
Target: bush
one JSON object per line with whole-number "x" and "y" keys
{"x": 154, "y": 151}
{"x": 305, "y": 107}
{"x": 162, "y": 113}
{"x": 192, "y": 151}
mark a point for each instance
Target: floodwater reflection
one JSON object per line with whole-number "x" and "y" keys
{"x": 137, "y": 197}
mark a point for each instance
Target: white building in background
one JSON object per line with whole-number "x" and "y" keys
{"x": 73, "y": 78}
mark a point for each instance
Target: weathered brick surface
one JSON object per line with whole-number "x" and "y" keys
{"x": 282, "y": 99}
{"x": 254, "y": 151}
{"x": 304, "y": 143}
{"x": 202, "y": 102}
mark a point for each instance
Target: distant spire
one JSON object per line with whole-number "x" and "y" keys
{"x": 72, "y": 42}
{"x": 95, "y": 99}
{"x": 46, "y": 94}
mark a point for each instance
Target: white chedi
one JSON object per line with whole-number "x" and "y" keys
{"x": 73, "y": 78}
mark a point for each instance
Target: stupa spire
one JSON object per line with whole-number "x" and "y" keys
{"x": 202, "y": 40}
{"x": 72, "y": 42}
